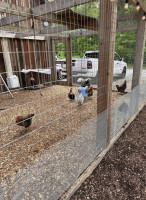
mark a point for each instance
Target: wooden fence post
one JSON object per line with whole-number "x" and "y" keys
{"x": 7, "y": 57}
{"x": 51, "y": 55}
{"x": 68, "y": 51}
{"x": 139, "y": 51}
{"x": 107, "y": 34}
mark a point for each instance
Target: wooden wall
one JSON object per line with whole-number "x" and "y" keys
{"x": 27, "y": 54}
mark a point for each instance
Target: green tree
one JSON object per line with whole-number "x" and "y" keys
{"x": 125, "y": 41}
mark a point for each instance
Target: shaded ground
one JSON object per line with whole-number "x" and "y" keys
{"x": 120, "y": 175}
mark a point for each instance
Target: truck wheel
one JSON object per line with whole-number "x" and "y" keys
{"x": 123, "y": 73}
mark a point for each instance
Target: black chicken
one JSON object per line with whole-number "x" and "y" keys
{"x": 25, "y": 121}
{"x": 122, "y": 88}
{"x": 71, "y": 95}
{"x": 32, "y": 82}
{"x": 86, "y": 83}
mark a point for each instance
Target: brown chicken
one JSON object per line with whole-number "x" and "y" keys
{"x": 90, "y": 91}
{"x": 25, "y": 121}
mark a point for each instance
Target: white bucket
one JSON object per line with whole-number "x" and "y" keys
{"x": 13, "y": 81}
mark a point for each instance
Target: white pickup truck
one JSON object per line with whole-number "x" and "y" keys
{"x": 88, "y": 65}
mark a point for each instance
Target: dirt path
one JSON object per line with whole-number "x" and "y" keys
{"x": 120, "y": 175}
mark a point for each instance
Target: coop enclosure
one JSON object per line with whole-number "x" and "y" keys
{"x": 46, "y": 48}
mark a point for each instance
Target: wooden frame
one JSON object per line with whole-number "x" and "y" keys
{"x": 107, "y": 35}
{"x": 68, "y": 50}
{"x": 139, "y": 51}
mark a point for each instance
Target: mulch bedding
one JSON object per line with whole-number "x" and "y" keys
{"x": 55, "y": 118}
{"x": 120, "y": 175}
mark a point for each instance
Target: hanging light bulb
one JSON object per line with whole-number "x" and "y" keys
{"x": 112, "y": 0}
{"x": 144, "y": 17}
{"x": 126, "y": 4}
{"x": 137, "y": 6}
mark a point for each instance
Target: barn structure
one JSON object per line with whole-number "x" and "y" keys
{"x": 45, "y": 159}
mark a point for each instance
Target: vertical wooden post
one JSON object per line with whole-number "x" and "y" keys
{"x": 6, "y": 56}
{"x": 51, "y": 55}
{"x": 68, "y": 51}
{"x": 54, "y": 61}
{"x": 139, "y": 51}
{"x": 107, "y": 34}
{"x": 18, "y": 61}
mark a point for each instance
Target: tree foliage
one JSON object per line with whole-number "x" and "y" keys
{"x": 125, "y": 41}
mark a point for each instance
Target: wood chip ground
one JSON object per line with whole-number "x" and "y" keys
{"x": 55, "y": 118}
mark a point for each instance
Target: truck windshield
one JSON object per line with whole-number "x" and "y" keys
{"x": 92, "y": 55}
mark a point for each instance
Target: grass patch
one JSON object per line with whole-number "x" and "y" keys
{"x": 130, "y": 66}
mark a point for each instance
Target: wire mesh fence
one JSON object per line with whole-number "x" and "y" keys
{"x": 50, "y": 134}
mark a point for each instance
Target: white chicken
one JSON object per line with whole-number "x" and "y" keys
{"x": 84, "y": 82}
{"x": 80, "y": 98}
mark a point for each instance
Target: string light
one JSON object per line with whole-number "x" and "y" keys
{"x": 126, "y": 4}
{"x": 112, "y": 0}
{"x": 144, "y": 17}
{"x": 137, "y": 6}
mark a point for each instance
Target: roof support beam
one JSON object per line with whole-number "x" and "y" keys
{"x": 57, "y": 5}
{"x": 19, "y": 13}
{"x": 11, "y": 19}
{"x": 38, "y": 11}
{"x": 60, "y": 29}
{"x": 127, "y": 17}
{"x": 13, "y": 9}
{"x": 57, "y": 29}
{"x": 127, "y": 28}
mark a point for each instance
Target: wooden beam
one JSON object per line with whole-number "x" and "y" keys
{"x": 127, "y": 17}
{"x": 7, "y": 57}
{"x": 127, "y": 28}
{"x": 11, "y": 19}
{"x": 19, "y": 29}
{"x": 139, "y": 51}
{"x": 13, "y": 9}
{"x": 76, "y": 21}
{"x": 68, "y": 51}
{"x": 19, "y": 13}
{"x": 57, "y": 29}
{"x": 83, "y": 33}
{"x": 73, "y": 20}
{"x": 57, "y": 5}
{"x": 134, "y": 4}
{"x": 14, "y": 12}
{"x": 107, "y": 35}
{"x": 51, "y": 56}
{"x": 18, "y": 61}
{"x": 90, "y": 32}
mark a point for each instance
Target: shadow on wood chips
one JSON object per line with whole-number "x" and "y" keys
{"x": 120, "y": 175}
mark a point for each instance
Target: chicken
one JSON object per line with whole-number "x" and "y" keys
{"x": 90, "y": 91}
{"x": 71, "y": 95}
{"x": 87, "y": 82}
{"x": 80, "y": 98}
{"x": 84, "y": 82}
{"x": 122, "y": 88}
{"x": 25, "y": 121}
{"x": 32, "y": 82}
